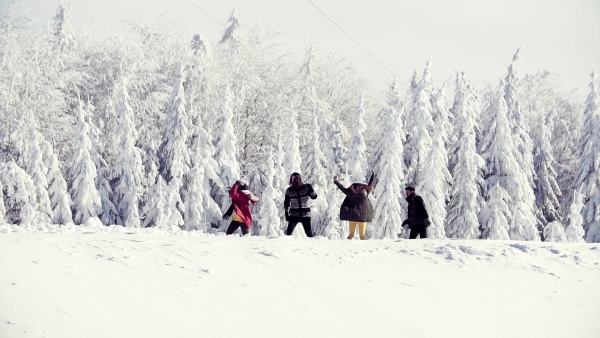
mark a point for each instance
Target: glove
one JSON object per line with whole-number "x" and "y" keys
{"x": 287, "y": 216}
{"x": 426, "y": 222}
{"x": 309, "y": 187}
{"x": 226, "y": 216}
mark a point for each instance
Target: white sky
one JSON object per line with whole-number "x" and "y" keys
{"x": 477, "y": 36}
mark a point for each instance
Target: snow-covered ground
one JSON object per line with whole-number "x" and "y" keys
{"x": 114, "y": 282}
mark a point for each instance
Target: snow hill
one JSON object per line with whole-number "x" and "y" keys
{"x": 100, "y": 282}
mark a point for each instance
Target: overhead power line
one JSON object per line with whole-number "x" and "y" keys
{"x": 205, "y": 12}
{"x": 406, "y": 34}
{"x": 353, "y": 39}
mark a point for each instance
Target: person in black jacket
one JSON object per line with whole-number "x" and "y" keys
{"x": 418, "y": 218}
{"x": 296, "y": 205}
{"x": 357, "y": 208}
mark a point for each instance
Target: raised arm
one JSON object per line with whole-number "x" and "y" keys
{"x": 235, "y": 194}
{"x": 372, "y": 179}
{"x": 340, "y": 186}
{"x": 311, "y": 192}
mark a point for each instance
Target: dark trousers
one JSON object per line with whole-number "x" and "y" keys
{"x": 293, "y": 221}
{"x": 235, "y": 225}
{"x": 418, "y": 229}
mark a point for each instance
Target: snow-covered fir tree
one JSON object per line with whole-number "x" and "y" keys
{"x": 148, "y": 142}
{"x": 588, "y": 174}
{"x": 388, "y": 163}
{"x": 201, "y": 209}
{"x": 60, "y": 200}
{"x": 495, "y": 216}
{"x": 268, "y": 215}
{"x": 2, "y": 208}
{"x": 201, "y": 46}
{"x": 37, "y": 170}
{"x": 175, "y": 209}
{"x": 421, "y": 124}
{"x": 434, "y": 180}
{"x": 63, "y": 33}
{"x": 465, "y": 194}
{"x": 231, "y": 32}
{"x": 226, "y": 148}
{"x": 292, "y": 159}
{"x": 155, "y": 208}
{"x": 339, "y": 152}
{"x": 554, "y": 232}
{"x": 357, "y": 155}
{"x": 441, "y": 115}
{"x": 82, "y": 173}
{"x": 545, "y": 180}
{"x": 523, "y": 149}
{"x": 315, "y": 174}
{"x": 19, "y": 194}
{"x": 127, "y": 171}
{"x": 574, "y": 232}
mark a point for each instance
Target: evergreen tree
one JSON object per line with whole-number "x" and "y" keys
{"x": 155, "y": 208}
{"x": 2, "y": 208}
{"x": 291, "y": 159}
{"x": 588, "y": 175}
{"x": 226, "y": 148}
{"x": 388, "y": 163}
{"x": 434, "y": 181}
{"x": 269, "y": 219}
{"x": 82, "y": 174}
{"x": 315, "y": 174}
{"x": 495, "y": 216}
{"x": 231, "y": 32}
{"x": 575, "y": 232}
{"x": 201, "y": 209}
{"x": 339, "y": 153}
{"x": 554, "y": 232}
{"x": 19, "y": 194}
{"x": 421, "y": 125}
{"x": 465, "y": 196}
{"x": 37, "y": 170}
{"x": 127, "y": 171}
{"x": 63, "y": 33}
{"x": 60, "y": 199}
{"x": 357, "y": 157}
{"x": 175, "y": 209}
{"x": 546, "y": 185}
{"x": 201, "y": 46}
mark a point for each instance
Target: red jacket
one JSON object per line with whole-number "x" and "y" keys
{"x": 240, "y": 204}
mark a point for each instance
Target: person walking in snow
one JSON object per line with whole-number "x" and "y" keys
{"x": 242, "y": 217}
{"x": 357, "y": 208}
{"x": 296, "y": 205}
{"x": 418, "y": 218}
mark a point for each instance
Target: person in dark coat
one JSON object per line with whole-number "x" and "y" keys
{"x": 296, "y": 205}
{"x": 242, "y": 216}
{"x": 357, "y": 208}
{"x": 418, "y": 218}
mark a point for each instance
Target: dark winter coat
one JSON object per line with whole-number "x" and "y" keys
{"x": 296, "y": 201}
{"x": 356, "y": 206}
{"x": 417, "y": 213}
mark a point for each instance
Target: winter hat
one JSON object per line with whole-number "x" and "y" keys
{"x": 409, "y": 188}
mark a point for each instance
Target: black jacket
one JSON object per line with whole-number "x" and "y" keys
{"x": 417, "y": 213}
{"x": 356, "y": 206}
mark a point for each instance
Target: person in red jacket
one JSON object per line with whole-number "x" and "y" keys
{"x": 242, "y": 217}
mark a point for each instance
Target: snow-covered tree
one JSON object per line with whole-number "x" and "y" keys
{"x": 19, "y": 194}
{"x": 554, "y": 232}
{"x": 82, "y": 174}
{"x": 2, "y": 208}
{"x": 201, "y": 46}
{"x": 231, "y": 32}
{"x": 546, "y": 185}
{"x": 155, "y": 209}
{"x": 338, "y": 152}
{"x": 388, "y": 163}
{"x": 37, "y": 170}
{"x": 60, "y": 200}
{"x": 313, "y": 162}
{"x": 419, "y": 130}
{"x": 465, "y": 195}
{"x": 226, "y": 147}
{"x": 588, "y": 175}
{"x": 574, "y": 232}
{"x": 201, "y": 209}
{"x": 269, "y": 218}
{"x": 433, "y": 186}
{"x": 495, "y": 215}
{"x": 127, "y": 170}
{"x": 292, "y": 159}
{"x": 334, "y": 227}
{"x": 357, "y": 156}
{"x": 175, "y": 209}
{"x": 63, "y": 33}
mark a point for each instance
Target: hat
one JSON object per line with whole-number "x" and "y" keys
{"x": 409, "y": 188}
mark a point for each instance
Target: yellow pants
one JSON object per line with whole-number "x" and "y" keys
{"x": 362, "y": 229}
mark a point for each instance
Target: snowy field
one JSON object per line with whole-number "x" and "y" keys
{"x": 114, "y": 282}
